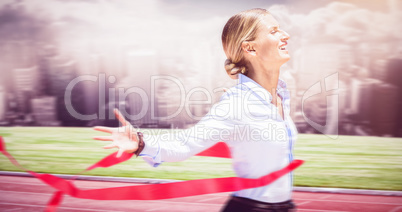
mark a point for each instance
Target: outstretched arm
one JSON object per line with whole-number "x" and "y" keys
{"x": 216, "y": 126}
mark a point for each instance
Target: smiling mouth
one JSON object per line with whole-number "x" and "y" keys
{"x": 283, "y": 46}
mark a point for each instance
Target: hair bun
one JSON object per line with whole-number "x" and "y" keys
{"x": 232, "y": 70}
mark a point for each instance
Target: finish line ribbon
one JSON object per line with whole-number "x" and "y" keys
{"x": 154, "y": 191}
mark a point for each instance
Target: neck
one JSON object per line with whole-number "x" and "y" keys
{"x": 267, "y": 77}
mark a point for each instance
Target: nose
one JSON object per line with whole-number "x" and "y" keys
{"x": 285, "y": 36}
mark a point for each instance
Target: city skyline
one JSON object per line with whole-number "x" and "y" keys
{"x": 133, "y": 44}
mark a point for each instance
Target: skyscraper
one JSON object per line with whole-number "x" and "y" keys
{"x": 394, "y": 71}
{"x": 141, "y": 66}
{"x": 384, "y": 119}
{"x": 62, "y": 72}
{"x": 25, "y": 83}
{"x": 3, "y": 104}
{"x": 44, "y": 111}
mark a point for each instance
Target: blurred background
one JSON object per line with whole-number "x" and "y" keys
{"x": 344, "y": 74}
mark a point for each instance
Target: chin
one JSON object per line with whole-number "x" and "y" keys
{"x": 285, "y": 59}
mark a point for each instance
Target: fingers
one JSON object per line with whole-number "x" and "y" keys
{"x": 112, "y": 145}
{"x": 119, "y": 153}
{"x": 120, "y": 117}
{"x": 105, "y": 129}
{"x": 103, "y": 138}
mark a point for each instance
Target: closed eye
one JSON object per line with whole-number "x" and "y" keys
{"x": 275, "y": 30}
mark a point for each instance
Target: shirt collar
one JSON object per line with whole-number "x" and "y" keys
{"x": 262, "y": 92}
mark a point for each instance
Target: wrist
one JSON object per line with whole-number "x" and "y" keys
{"x": 141, "y": 144}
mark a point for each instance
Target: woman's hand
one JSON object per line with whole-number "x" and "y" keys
{"x": 124, "y": 137}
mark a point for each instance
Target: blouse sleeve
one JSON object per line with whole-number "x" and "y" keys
{"x": 217, "y": 125}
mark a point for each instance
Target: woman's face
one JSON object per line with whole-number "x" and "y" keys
{"x": 270, "y": 44}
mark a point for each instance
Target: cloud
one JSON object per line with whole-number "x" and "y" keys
{"x": 151, "y": 24}
{"x": 345, "y": 22}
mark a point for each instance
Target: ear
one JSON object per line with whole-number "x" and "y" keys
{"x": 248, "y": 48}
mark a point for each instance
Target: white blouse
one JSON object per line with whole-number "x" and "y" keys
{"x": 259, "y": 139}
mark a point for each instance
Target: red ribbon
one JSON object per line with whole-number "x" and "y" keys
{"x": 154, "y": 191}
{"x": 110, "y": 160}
{"x": 54, "y": 202}
{"x": 219, "y": 150}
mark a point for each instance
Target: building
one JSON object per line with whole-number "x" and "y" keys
{"x": 141, "y": 66}
{"x": 16, "y": 54}
{"x": 394, "y": 71}
{"x": 25, "y": 84}
{"x": 3, "y": 104}
{"x": 320, "y": 63}
{"x": 362, "y": 96}
{"x": 62, "y": 72}
{"x": 44, "y": 111}
{"x": 384, "y": 113}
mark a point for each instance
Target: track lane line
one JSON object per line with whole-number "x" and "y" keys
{"x": 25, "y": 192}
{"x": 329, "y": 200}
{"x": 204, "y": 200}
{"x": 12, "y": 209}
{"x": 155, "y": 209}
{"x": 302, "y": 203}
{"x": 45, "y": 185}
{"x": 395, "y": 209}
{"x": 153, "y": 201}
{"x": 303, "y": 209}
{"x": 326, "y": 196}
{"x": 61, "y": 207}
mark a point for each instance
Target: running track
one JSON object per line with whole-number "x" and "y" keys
{"x": 30, "y": 194}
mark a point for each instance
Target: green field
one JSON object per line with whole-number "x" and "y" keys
{"x": 347, "y": 162}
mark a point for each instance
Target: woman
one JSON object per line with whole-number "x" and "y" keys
{"x": 251, "y": 117}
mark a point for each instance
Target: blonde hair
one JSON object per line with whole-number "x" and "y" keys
{"x": 239, "y": 28}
